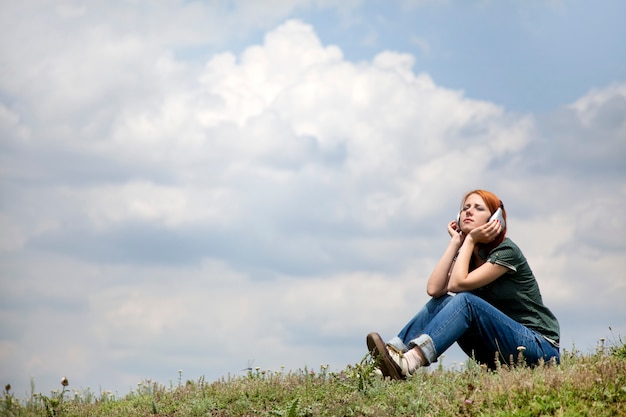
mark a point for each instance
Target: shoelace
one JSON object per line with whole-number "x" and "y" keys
{"x": 398, "y": 358}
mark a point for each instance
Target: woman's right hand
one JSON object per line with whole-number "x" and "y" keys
{"x": 455, "y": 232}
{"x": 438, "y": 281}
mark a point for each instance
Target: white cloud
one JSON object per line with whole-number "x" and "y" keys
{"x": 591, "y": 105}
{"x": 147, "y": 202}
{"x": 290, "y": 114}
{"x": 421, "y": 43}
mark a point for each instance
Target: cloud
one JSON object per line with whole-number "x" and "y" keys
{"x": 576, "y": 138}
{"x": 273, "y": 204}
{"x": 268, "y": 133}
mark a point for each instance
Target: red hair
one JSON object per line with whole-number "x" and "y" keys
{"x": 493, "y": 203}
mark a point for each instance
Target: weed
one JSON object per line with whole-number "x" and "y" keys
{"x": 54, "y": 402}
{"x": 361, "y": 375}
{"x": 618, "y": 346}
{"x": 8, "y": 401}
{"x": 588, "y": 385}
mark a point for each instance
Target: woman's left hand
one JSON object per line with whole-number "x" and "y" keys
{"x": 487, "y": 232}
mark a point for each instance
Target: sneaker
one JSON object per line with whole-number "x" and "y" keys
{"x": 398, "y": 358}
{"x": 388, "y": 366}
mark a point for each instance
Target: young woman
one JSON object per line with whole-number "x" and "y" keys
{"x": 496, "y": 312}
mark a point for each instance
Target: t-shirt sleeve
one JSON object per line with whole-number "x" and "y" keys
{"x": 506, "y": 255}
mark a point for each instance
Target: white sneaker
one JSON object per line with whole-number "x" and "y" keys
{"x": 380, "y": 352}
{"x": 398, "y": 358}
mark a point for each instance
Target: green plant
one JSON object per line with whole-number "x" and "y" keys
{"x": 54, "y": 402}
{"x": 618, "y": 346}
{"x": 8, "y": 400}
{"x": 362, "y": 374}
{"x": 292, "y": 410}
{"x": 583, "y": 384}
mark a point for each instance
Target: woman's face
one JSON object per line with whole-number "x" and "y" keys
{"x": 474, "y": 213}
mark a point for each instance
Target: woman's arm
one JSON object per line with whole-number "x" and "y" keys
{"x": 437, "y": 285}
{"x": 460, "y": 277}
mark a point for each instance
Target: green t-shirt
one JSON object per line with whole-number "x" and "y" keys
{"x": 516, "y": 293}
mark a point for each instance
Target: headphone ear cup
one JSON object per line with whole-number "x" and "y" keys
{"x": 458, "y": 220}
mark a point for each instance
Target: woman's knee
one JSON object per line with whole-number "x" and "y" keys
{"x": 437, "y": 303}
{"x": 467, "y": 297}
{"x": 464, "y": 298}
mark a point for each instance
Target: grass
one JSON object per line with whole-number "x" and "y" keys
{"x": 591, "y": 384}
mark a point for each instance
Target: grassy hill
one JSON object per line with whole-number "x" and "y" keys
{"x": 583, "y": 385}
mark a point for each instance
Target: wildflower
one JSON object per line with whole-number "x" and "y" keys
{"x": 64, "y": 381}
{"x": 468, "y": 401}
{"x": 7, "y": 387}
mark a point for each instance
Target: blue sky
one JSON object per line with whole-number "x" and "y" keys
{"x": 200, "y": 185}
{"x": 528, "y": 56}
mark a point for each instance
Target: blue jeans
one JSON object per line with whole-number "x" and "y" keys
{"x": 481, "y": 330}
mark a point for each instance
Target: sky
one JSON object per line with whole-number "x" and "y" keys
{"x": 191, "y": 188}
